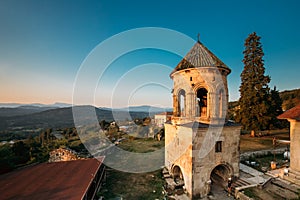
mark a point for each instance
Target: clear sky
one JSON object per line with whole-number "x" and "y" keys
{"x": 43, "y": 44}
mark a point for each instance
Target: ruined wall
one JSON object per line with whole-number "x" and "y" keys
{"x": 61, "y": 154}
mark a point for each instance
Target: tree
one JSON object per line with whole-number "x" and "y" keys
{"x": 254, "y": 90}
{"x": 275, "y": 109}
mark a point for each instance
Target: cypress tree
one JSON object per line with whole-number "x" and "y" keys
{"x": 255, "y": 97}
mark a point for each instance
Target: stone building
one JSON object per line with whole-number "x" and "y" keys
{"x": 293, "y": 116}
{"x": 161, "y": 118}
{"x": 201, "y": 146}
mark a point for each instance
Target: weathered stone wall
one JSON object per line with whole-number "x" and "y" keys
{"x": 205, "y": 159}
{"x": 190, "y": 81}
{"x": 178, "y": 151}
{"x": 193, "y": 150}
{"x": 61, "y": 154}
{"x": 295, "y": 145}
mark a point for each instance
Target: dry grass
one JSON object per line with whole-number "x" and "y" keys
{"x": 249, "y": 143}
{"x": 133, "y": 186}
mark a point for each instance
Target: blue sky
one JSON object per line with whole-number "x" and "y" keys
{"x": 43, "y": 44}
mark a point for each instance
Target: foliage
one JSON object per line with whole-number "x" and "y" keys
{"x": 258, "y": 105}
{"x": 290, "y": 98}
{"x": 36, "y": 148}
{"x": 275, "y": 109}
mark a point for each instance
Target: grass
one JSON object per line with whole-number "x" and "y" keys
{"x": 132, "y": 186}
{"x": 248, "y": 143}
{"x": 251, "y": 193}
{"x": 141, "y": 145}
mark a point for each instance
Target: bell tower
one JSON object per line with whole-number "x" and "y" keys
{"x": 199, "y": 139}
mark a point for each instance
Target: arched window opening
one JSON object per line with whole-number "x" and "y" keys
{"x": 202, "y": 101}
{"x": 181, "y": 102}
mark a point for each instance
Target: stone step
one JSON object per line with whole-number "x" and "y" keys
{"x": 240, "y": 183}
{"x": 292, "y": 178}
{"x": 285, "y": 185}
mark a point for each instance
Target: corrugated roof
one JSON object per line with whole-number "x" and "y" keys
{"x": 58, "y": 180}
{"x": 293, "y": 113}
{"x": 200, "y": 56}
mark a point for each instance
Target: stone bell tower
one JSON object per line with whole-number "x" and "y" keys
{"x": 201, "y": 146}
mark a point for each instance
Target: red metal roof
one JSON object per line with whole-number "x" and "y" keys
{"x": 293, "y": 113}
{"x": 57, "y": 180}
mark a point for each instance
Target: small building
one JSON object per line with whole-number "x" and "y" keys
{"x": 62, "y": 154}
{"x": 293, "y": 116}
{"x": 161, "y": 118}
{"x": 77, "y": 179}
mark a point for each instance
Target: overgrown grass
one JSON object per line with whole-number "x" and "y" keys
{"x": 135, "y": 185}
{"x": 251, "y": 193}
{"x": 260, "y": 143}
{"x": 132, "y": 186}
{"x": 141, "y": 145}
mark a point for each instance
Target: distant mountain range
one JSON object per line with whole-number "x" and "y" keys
{"x": 45, "y": 116}
{"x": 144, "y": 108}
{"x": 59, "y": 115}
{"x": 15, "y": 105}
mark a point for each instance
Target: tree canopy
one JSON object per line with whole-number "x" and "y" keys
{"x": 255, "y": 98}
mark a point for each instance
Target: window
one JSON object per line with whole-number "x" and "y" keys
{"x": 218, "y": 146}
{"x": 202, "y": 102}
{"x": 181, "y": 103}
{"x": 191, "y": 78}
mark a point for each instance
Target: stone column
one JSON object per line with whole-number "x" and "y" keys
{"x": 175, "y": 106}
{"x": 189, "y": 104}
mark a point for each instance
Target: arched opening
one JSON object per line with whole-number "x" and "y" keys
{"x": 181, "y": 103}
{"x": 178, "y": 179}
{"x": 202, "y": 102}
{"x": 220, "y": 176}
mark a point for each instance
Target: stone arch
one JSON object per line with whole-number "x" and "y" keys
{"x": 178, "y": 177}
{"x": 220, "y": 174}
{"x": 177, "y": 173}
{"x": 202, "y": 102}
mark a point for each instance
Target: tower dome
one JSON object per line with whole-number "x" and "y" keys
{"x": 200, "y": 90}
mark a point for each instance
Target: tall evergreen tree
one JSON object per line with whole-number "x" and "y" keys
{"x": 254, "y": 90}
{"x": 275, "y": 109}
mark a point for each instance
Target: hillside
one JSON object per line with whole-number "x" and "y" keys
{"x": 22, "y": 110}
{"x": 290, "y": 99}
{"x": 62, "y": 117}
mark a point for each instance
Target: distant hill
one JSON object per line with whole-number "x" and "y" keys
{"x": 63, "y": 117}
{"x": 145, "y": 108}
{"x": 290, "y": 99}
{"x": 15, "y": 105}
{"x": 22, "y": 110}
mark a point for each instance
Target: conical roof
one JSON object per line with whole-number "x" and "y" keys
{"x": 200, "y": 56}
